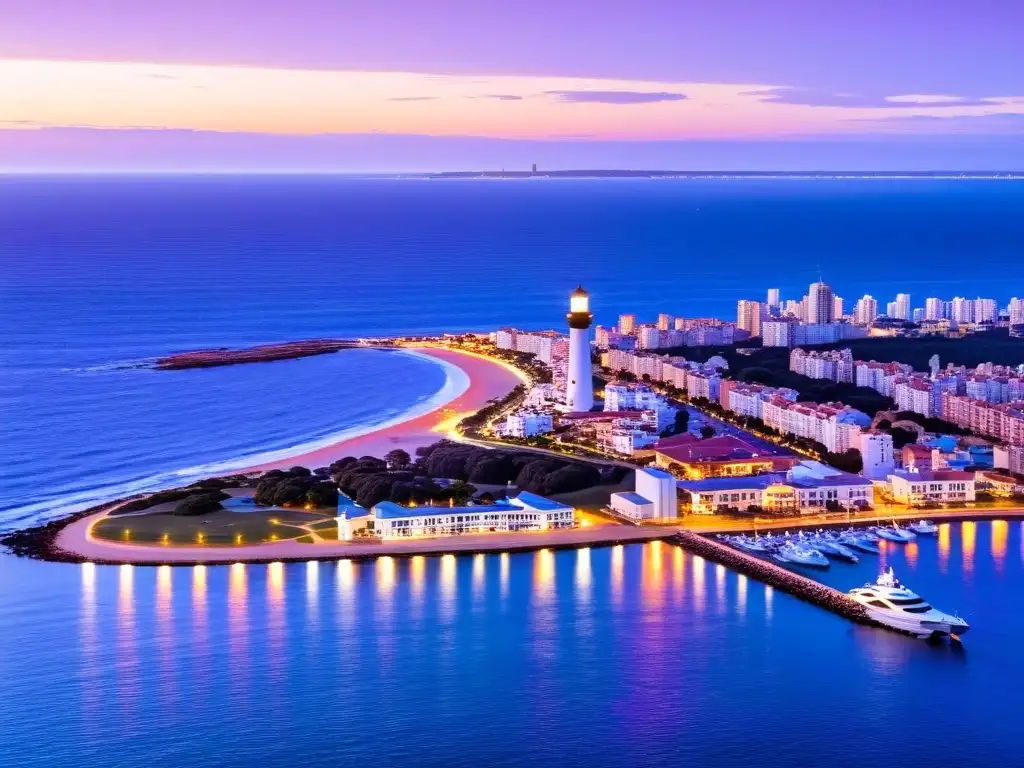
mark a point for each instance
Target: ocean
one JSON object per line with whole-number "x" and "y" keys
{"x": 637, "y": 655}
{"x": 97, "y": 272}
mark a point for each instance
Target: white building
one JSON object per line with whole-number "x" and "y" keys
{"x": 527, "y": 424}
{"x": 526, "y": 512}
{"x": 648, "y": 337}
{"x": 876, "y": 450}
{"x": 902, "y": 306}
{"x": 932, "y": 486}
{"x": 777, "y": 333}
{"x": 626, "y": 324}
{"x": 579, "y": 386}
{"x": 865, "y": 311}
{"x": 820, "y": 305}
{"x": 660, "y": 487}
{"x": 632, "y": 505}
{"x": 632, "y": 397}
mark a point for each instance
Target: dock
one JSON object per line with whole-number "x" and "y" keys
{"x": 777, "y": 577}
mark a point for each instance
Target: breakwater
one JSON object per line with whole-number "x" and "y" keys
{"x": 779, "y": 578}
{"x": 210, "y": 358}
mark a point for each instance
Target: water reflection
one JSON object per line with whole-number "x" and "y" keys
{"x": 91, "y": 693}
{"x": 312, "y": 590}
{"x": 968, "y": 534}
{"x": 583, "y": 575}
{"x": 911, "y": 550}
{"x": 238, "y": 626}
{"x": 769, "y": 595}
{"x": 699, "y": 596}
{"x": 679, "y": 572}
{"x": 126, "y": 645}
{"x": 503, "y": 574}
{"x": 651, "y": 577}
{"x": 617, "y": 564}
{"x": 448, "y": 587}
{"x": 543, "y": 576}
{"x": 417, "y": 582}
{"x": 277, "y": 652}
{"x": 1000, "y": 533}
{"x": 479, "y": 572}
{"x": 944, "y": 548}
{"x": 741, "y": 594}
{"x": 719, "y": 588}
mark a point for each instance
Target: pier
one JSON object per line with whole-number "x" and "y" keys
{"x": 779, "y": 578}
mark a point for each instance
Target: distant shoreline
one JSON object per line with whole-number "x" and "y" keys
{"x": 670, "y": 174}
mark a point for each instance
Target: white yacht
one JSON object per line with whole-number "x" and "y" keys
{"x": 895, "y": 533}
{"x": 923, "y": 526}
{"x": 791, "y": 553}
{"x": 890, "y": 603}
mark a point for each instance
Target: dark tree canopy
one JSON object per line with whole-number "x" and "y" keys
{"x": 200, "y": 503}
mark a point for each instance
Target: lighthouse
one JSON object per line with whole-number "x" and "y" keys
{"x": 579, "y": 386}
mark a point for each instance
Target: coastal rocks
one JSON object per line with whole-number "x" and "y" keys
{"x": 211, "y": 358}
{"x": 775, "y": 576}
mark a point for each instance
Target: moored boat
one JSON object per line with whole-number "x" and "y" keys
{"x": 895, "y": 533}
{"x": 889, "y": 602}
{"x": 923, "y": 527}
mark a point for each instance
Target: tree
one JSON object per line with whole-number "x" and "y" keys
{"x": 200, "y": 504}
{"x": 902, "y": 437}
{"x": 707, "y": 432}
{"x": 397, "y": 458}
{"x": 682, "y": 421}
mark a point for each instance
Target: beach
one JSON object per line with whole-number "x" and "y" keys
{"x": 488, "y": 379}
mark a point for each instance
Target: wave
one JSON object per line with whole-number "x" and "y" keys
{"x": 456, "y": 382}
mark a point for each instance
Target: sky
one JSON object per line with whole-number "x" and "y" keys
{"x": 426, "y": 85}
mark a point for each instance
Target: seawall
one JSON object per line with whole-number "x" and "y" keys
{"x": 786, "y": 581}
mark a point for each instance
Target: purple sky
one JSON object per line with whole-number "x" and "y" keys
{"x": 822, "y": 54}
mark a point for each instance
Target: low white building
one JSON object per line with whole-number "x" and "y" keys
{"x": 932, "y": 486}
{"x": 526, "y": 512}
{"x": 876, "y": 450}
{"x": 632, "y": 505}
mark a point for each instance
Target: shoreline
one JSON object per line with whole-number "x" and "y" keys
{"x": 488, "y": 380}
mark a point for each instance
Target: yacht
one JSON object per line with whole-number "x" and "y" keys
{"x": 895, "y": 533}
{"x": 832, "y": 548}
{"x": 862, "y": 543}
{"x": 890, "y": 603}
{"x": 755, "y": 545}
{"x": 791, "y": 553}
{"x": 924, "y": 526}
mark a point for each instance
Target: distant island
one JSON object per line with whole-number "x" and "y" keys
{"x": 599, "y": 173}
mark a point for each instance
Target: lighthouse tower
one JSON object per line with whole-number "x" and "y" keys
{"x": 579, "y": 387}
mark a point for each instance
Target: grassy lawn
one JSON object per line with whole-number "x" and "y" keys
{"x": 219, "y": 528}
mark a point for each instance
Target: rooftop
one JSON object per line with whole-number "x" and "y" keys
{"x": 655, "y": 472}
{"x": 929, "y": 475}
{"x": 724, "y": 448}
{"x": 388, "y": 510}
{"x": 633, "y": 497}
{"x": 539, "y": 502}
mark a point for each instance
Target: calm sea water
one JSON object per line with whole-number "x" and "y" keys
{"x": 636, "y": 655}
{"x": 99, "y": 271}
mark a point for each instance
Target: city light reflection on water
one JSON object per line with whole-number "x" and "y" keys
{"x": 550, "y": 629}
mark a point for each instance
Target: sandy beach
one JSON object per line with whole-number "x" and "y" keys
{"x": 488, "y": 380}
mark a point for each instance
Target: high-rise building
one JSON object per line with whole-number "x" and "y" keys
{"x": 773, "y": 297}
{"x": 933, "y": 309}
{"x": 664, "y": 322}
{"x": 985, "y": 311}
{"x": 891, "y": 309}
{"x": 918, "y": 314}
{"x": 865, "y": 311}
{"x": 680, "y": 324}
{"x": 819, "y": 308}
{"x": 1016, "y": 311}
{"x": 748, "y": 316}
{"x": 627, "y": 323}
{"x": 579, "y": 384}
{"x": 837, "y": 307}
{"x": 902, "y": 306}
{"x": 962, "y": 310}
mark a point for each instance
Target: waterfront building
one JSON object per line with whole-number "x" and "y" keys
{"x": 717, "y": 456}
{"x": 579, "y": 388}
{"x": 632, "y": 505}
{"x": 865, "y": 311}
{"x": 931, "y": 486}
{"x": 820, "y": 307}
{"x": 920, "y": 457}
{"x": 748, "y": 316}
{"x": 876, "y": 449}
{"x": 351, "y": 518}
{"x": 660, "y": 487}
{"x": 804, "y": 489}
{"x": 525, "y": 512}
{"x": 626, "y": 324}
{"x": 524, "y": 424}
{"x": 999, "y": 484}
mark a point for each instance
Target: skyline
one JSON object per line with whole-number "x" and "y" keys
{"x": 456, "y": 87}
